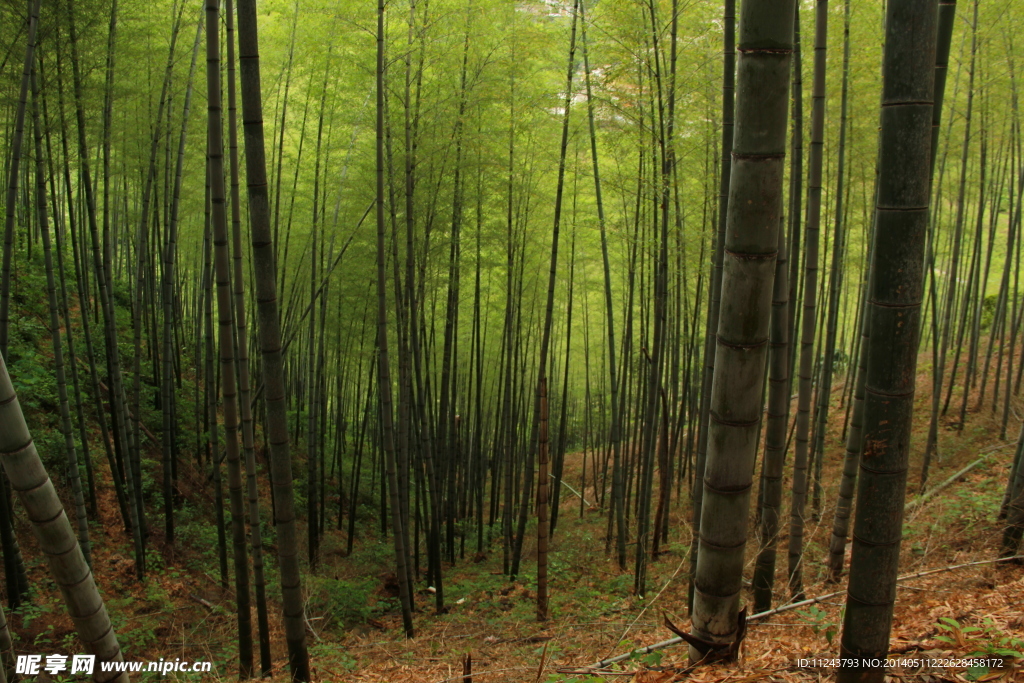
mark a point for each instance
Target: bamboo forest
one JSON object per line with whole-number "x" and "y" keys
{"x": 531, "y": 341}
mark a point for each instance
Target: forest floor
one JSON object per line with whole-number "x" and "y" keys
{"x": 183, "y": 611}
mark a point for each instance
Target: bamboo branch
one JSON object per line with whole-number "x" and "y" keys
{"x": 578, "y": 494}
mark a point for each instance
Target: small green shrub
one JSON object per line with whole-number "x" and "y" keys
{"x": 31, "y": 608}
{"x": 341, "y": 603}
{"x": 818, "y": 619}
{"x": 987, "y": 640}
{"x": 333, "y": 657}
{"x": 34, "y": 380}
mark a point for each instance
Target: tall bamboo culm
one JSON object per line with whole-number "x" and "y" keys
{"x": 895, "y": 313}
{"x": 53, "y": 533}
{"x": 270, "y": 339}
{"x": 751, "y": 248}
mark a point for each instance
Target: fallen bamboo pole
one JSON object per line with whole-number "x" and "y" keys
{"x": 785, "y": 608}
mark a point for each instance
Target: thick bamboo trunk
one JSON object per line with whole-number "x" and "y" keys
{"x": 398, "y": 531}
{"x": 54, "y": 535}
{"x": 895, "y": 312}
{"x": 225, "y": 337}
{"x": 751, "y": 248}
{"x": 270, "y": 341}
{"x": 242, "y": 342}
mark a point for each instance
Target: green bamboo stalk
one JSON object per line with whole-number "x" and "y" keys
{"x": 751, "y": 248}
{"x": 895, "y": 313}
{"x": 270, "y": 340}
{"x": 53, "y": 533}
{"x": 810, "y": 303}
